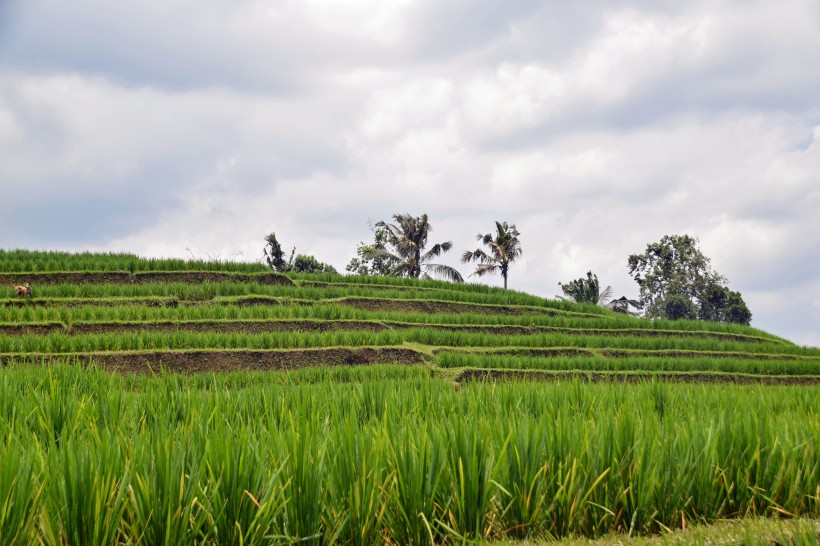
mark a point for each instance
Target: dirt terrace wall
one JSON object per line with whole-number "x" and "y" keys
{"x": 197, "y": 361}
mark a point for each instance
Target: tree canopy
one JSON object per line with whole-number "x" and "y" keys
{"x": 586, "y": 291}
{"x": 676, "y": 281}
{"x": 407, "y": 239}
{"x": 373, "y": 258}
{"x": 504, "y": 249}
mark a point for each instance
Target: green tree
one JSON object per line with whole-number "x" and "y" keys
{"x": 309, "y": 264}
{"x": 274, "y": 255}
{"x": 504, "y": 249}
{"x": 373, "y": 259}
{"x": 723, "y": 305}
{"x": 408, "y": 239}
{"x": 678, "y": 306}
{"x": 674, "y": 269}
{"x": 586, "y": 291}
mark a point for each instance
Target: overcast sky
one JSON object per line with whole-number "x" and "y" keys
{"x": 157, "y": 126}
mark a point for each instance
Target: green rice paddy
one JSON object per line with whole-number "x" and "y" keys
{"x": 517, "y": 425}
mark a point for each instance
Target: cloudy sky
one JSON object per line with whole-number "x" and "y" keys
{"x": 171, "y": 128}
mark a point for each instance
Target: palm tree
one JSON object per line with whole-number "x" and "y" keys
{"x": 505, "y": 248}
{"x": 408, "y": 237}
{"x": 586, "y": 291}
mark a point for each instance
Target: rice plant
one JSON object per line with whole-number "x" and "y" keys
{"x": 368, "y": 458}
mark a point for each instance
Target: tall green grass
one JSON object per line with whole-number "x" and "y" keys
{"x": 643, "y": 363}
{"x": 213, "y": 460}
{"x": 55, "y": 261}
{"x": 146, "y": 340}
{"x": 333, "y": 311}
{"x": 210, "y": 290}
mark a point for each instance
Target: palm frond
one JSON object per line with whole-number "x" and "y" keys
{"x": 449, "y": 273}
{"x": 486, "y": 269}
{"x": 604, "y": 297}
{"x": 475, "y": 255}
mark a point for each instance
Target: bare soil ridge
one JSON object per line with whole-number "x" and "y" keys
{"x": 202, "y": 361}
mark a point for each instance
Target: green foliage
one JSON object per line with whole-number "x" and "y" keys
{"x": 373, "y": 258}
{"x": 746, "y": 364}
{"x": 407, "y": 239}
{"x": 586, "y": 291}
{"x": 20, "y": 494}
{"x": 723, "y": 305}
{"x": 504, "y": 248}
{"x": 388, "y": 454}
{"x": 259, "y": 458}
{"x": 678, "y": 306}
{"x": 675, "y": 269}
{"x": 309, "y": 264}
{"x": 46, "y": 261}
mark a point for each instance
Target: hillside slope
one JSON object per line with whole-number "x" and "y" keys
{"x": 269, "y": 409}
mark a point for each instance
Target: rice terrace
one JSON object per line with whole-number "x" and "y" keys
{"x": 149, "y": 401}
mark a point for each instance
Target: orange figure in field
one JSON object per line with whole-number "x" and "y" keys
{"x": 23, "y": 290}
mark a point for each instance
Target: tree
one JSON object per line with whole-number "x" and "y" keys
{"x": 723, "y": 305}
{"x": 504, "y": 249}
{"x": 678, "y": 306}
{"x": 408, "y": 239}
{"x": 673, "y": 270}
{"x": 586, "y": 291}
{"x": 309, "y": 264}
{"x": 373, "y": 259}
{"x": 274, "y": 254}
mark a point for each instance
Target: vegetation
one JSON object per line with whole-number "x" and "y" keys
{"x": 408, "y": 239}
{"x": 424, "y": 412}
{"x": 207, "y": 459}
{"x": 504, "y": 249}
{"x": 275, "y": 258}
{"x": 676, "y": 281}
{"x": 586, "y": 291}
{"x": 20, "y": 260}
{"x": 373, "y": 258}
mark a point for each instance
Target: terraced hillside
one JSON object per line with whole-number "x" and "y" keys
{"x": 411, "y": 412}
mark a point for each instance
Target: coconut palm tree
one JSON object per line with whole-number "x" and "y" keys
{"x": 504, "y": 249}
{"x": 586, "y": 291}
{"x": 408, "y": 237}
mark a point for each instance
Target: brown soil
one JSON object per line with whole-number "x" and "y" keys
{"x": 639, "y": 377}
{"x": 31, "y": 329}
{"x": 197, "y": 361}
{"x": 243, "y": 301}
{"x": 122, "y": 277}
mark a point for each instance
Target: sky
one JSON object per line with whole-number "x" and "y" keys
{"x": 195, "y": 128}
